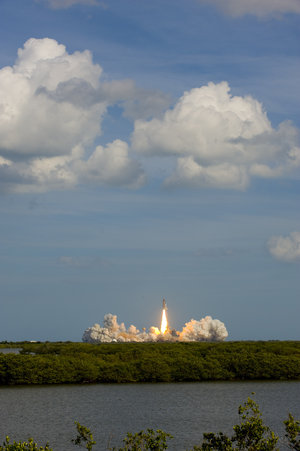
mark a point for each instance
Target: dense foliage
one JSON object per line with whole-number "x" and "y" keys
{"x": 67, "y": 362}
{"x": 249, "y": 434}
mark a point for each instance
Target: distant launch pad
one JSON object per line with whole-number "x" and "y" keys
{"x": 207, "y": 329}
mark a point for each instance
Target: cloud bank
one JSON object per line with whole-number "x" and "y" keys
{"x": 221, "y": 140}
{"x": 52, "y": 104}
{"x": 285, "y": 248}
{"x": 260, "y": 8}
{"x": 207, "y": 329}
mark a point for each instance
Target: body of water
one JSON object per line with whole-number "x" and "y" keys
{"x": 185, "y": 410}
{"x": 10, "y": 350}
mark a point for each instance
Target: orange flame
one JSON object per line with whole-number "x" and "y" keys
{"x": 164, "y": 322}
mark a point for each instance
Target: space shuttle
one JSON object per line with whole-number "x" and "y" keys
{"x": 164, "y": 305}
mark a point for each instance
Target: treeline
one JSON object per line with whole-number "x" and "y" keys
{"x": 67, "y": 362}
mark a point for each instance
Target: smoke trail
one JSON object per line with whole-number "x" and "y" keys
{"x": 207, "y": 329}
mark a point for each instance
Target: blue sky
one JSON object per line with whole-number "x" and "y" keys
{"x": 149, "y": 150}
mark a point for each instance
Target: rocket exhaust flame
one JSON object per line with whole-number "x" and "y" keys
{"x": 207, "y": 329}
{"x": 164, "y": 322}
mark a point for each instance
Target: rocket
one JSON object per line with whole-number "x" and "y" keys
{"x": 164, "y": 305}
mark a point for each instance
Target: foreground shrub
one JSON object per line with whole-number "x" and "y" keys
{"x": 23, "y": 446}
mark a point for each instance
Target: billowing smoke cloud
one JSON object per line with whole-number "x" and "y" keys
{"x": 207, "y": 329}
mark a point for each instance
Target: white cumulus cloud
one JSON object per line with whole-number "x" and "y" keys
{"x": 111, "y": 165}
{"x": 220, "y": 140}
{"x": 260, "y": 8}
{"x": 32, "y": 123}
{"x": 285, "y": 248}
{"x": 51, "y": 107}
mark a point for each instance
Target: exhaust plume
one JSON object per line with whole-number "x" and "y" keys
{"x": 207, "y": 329}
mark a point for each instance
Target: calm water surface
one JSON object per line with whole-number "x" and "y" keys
{"x": 10, "y": 350}
{"x": 185, "y": 410}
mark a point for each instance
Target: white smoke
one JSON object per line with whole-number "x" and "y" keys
{"x": 207, "y": 329}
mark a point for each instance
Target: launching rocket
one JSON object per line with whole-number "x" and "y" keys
{"x": 164, "y": 321}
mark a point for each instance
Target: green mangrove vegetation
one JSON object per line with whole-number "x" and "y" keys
{"x": 68, "y": 362}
